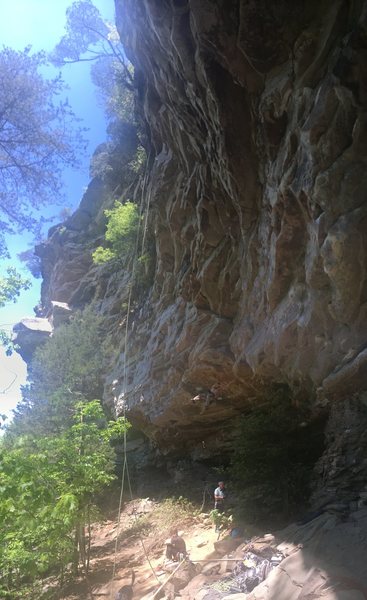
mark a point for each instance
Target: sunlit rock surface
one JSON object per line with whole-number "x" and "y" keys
{"x": 254, "y": 120}
{"x": 257, "y": 187}
{"x": 253, "y": 116}
{"x": 323, "y": 558}
{"x": 60, "y": 313}
{"x": 30, "y": 333}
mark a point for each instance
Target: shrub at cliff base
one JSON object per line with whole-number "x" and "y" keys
{"x": 49, "y": 486}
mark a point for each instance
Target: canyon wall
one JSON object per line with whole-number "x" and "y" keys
{"x": 253, "y": 115}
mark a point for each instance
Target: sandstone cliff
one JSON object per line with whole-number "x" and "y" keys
{"x": 254, "y": 121}
{"x": 255, "y": 116}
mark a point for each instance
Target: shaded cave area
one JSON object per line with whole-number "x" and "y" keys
{"x": 269, "y": 458}
{"x": 281, "y": 462}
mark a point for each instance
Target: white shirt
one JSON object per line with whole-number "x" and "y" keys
{"x": 219, "y": 494}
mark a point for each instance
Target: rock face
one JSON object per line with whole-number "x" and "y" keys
{"x": 254, "y": 117}
{"x": 256, "y": 120}
{"x": 30, "y": 333}
{"x": 342, "y": 470}
{"x": 67, "y": 269}
{"x": 328, "y": 563}
{"x": 60, "y": 314}
{"x": 323, "y": 558}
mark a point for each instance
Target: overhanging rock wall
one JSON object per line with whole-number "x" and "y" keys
{"x": 255, "y": 117}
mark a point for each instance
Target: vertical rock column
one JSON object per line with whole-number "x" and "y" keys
{"x": 342, "y": 469}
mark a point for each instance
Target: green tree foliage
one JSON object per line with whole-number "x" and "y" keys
{"x": 55, "y": 458}
{"x": 36, "y": 140}
{"x": 121, "y": 232}
{"x": 115, "y": 93}
{"x": 48, "y": 489}
{"x": 71, "y": 357}
{"x": 89, "y": 37}
{"x": 11, "y": 284}
{"x": 221, "y": 520}
{"x": 66, "y": 369}
{"x": 31, "y": 261}
{"x": 125, "y": 236}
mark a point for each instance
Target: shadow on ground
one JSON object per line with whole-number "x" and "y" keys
{"x": 325, "y": 558}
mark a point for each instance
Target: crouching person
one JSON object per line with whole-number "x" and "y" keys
{"x": 175, "y": 547}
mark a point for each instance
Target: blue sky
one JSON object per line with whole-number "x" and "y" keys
{"x": 40, "y": 23}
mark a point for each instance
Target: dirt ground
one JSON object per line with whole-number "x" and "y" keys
{"x": 141, "y": 534}
{"x": 325, "y": 555}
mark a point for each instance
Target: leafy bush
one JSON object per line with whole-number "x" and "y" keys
{"x": 121, "y": 231}
{"x": 220, "y": 519}
{"x": 103, "y": 255}
{"x": 172, "y": 511}
{"x": 49, "y": 485}
{"x": 56, "y": 457}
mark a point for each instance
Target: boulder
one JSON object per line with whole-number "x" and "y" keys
{"x": 30, "y": 333}
{"x": 60, "y": 313}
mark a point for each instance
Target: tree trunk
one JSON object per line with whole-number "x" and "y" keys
{"x": 76, "y": 552}
{"x": 81, "y": 531}
{"x": 89, "y": 538}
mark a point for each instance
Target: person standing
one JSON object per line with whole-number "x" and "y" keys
{"x": 219, "y": 496}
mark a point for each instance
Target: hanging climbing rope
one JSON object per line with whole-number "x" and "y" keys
{"x": 125, "y": 469}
